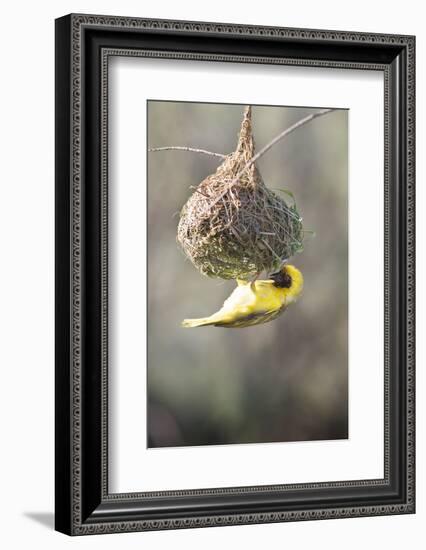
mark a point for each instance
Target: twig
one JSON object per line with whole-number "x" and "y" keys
{"x": 281, "y": 136}
{"x": 190, "y": 149}
{"x": 268, "y": 146}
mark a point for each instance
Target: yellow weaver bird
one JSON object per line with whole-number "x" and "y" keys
{"x": 253, "y": 303}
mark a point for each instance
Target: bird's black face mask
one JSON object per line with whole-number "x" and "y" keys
{"x": 281, "y": 279}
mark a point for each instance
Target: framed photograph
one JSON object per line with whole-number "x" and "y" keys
{"x": 234, "y": 274}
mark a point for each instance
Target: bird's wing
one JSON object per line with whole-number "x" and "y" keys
{"x": 251, "y": 319}
{"x": 243, "y": 307}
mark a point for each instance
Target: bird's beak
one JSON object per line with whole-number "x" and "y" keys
{"x": 274, "y": 276}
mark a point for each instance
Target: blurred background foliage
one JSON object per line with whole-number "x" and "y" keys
{"x": 283, "y": 381}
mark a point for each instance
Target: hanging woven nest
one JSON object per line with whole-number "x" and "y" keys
{"x": 233, "y": 226}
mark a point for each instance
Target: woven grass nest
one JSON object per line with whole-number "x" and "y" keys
{"x": 233, "y": 226}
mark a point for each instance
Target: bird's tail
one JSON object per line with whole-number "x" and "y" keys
{"x": 202, "y": 322}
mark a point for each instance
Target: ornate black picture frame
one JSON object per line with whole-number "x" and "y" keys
{"x": 84, "y": 44}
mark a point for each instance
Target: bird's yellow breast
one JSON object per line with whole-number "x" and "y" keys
{"x": 267, "y": 297}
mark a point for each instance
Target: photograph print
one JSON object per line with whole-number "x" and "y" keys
{"x": 247, "y": 263}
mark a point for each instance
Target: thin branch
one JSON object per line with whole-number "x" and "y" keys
{"x": 190, "y": 149}
{"x": 284, "y": 134}
{"x": 256, "y": 157}
{"x": 268, "y": 146}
